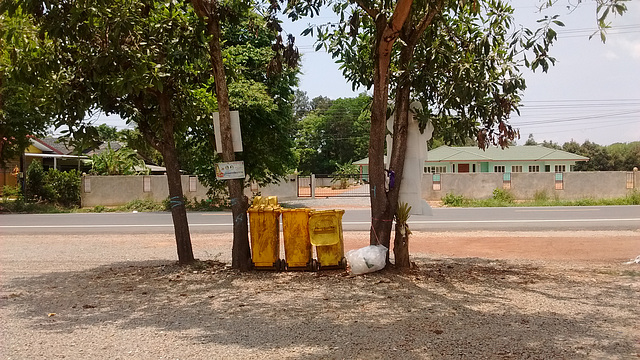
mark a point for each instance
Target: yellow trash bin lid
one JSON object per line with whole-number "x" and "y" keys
{"x": 325, "y": 227}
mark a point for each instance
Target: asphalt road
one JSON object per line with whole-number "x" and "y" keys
{"x": 443, "y": 219}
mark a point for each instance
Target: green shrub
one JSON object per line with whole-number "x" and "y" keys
{"x": 11, "y": 192}
{"x": 142, "y": 205}
{"x": 34, "y": 187}
{"x": 503, "y": 195}
{"x": 62, "y": 187}
{"x": 454, "y": 200}
{"x": 540, "y": 196}
{"x": 633, "y": 198}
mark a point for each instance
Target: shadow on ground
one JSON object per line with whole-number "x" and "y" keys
{"x": 450, "y": 308}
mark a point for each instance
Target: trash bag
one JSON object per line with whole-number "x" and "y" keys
{"x": 367, "y": 259}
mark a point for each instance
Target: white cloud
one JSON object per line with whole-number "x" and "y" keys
{"x": 610, "y": 55}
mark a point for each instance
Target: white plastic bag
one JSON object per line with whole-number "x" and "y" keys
{"x": 367, "y": 259}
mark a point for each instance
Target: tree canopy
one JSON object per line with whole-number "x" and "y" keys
{"x": 336, "y": 135}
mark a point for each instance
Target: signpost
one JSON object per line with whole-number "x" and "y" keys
{"x": 230, "y": 170}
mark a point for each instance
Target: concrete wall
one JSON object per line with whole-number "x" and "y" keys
{"x": 119, "y": 190}
{"x": 285, "y": 190}
{"x": 524, "y": 186}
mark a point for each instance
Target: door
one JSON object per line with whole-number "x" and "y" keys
{"x": 463, "y": 168}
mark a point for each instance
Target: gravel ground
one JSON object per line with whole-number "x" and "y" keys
{"x": 124, "y": 297}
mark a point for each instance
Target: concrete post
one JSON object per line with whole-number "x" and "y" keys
{"x": 312, "y": 183}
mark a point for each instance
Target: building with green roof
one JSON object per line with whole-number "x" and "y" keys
{"x": 471, "y": 159}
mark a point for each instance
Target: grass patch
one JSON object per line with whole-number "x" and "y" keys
{"x": 503, "y": 198}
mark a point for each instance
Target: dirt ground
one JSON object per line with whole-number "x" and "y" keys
{"x": 475, "y": 295}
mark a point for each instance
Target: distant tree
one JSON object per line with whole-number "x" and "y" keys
{"x": 320, "y": 103}
{"x": 124, "y": 161}
{"x": 551, "y": 145}
{"x": 301, "y": 104}
{"x": 572, "y": 147}
{"x": 335, "y": 135}
{"x": 107, "y": 133}
{"x": 530, "y": 141}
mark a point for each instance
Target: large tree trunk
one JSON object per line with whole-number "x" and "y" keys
{"x": 382, "y": 209}
{"x": 240, "y": 253}
{"x": 399, "y": 151}
{"x": 178, "y": 211}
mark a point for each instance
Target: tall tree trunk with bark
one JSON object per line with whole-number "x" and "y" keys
{"x": 398, "y": 153}
{"x": 410, "y": 35}
{"x": 167, "y": 147}
{"x": 240, "y": 253}
{"x": 387, "y": 32}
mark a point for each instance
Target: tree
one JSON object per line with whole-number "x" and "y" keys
{"x": 531, "y": 141}
{"x": 366, "y": 43}
{"x": 124, "y": 161}
{"x": 23, "y": 91}
{"x": 141, "y": 60}
{"x": 107, "y": 133}
{"x": 263, "y": 101}
{"x": 301, "y": 104}
{"x": 214, "y": 12}
{"x": 332, "y": 136}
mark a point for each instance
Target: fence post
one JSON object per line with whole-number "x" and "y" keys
{"x": 312, "y": 183}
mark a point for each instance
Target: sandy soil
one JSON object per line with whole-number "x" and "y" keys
{"x": 478, "y": 295}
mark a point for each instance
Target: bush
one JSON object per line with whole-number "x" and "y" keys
{"x": 454, "y": 200}
{"x": 540, "y": 196}
{"x": 633, "y": 198}
{"x": 34, "y": 187}
{"x": 11, "y": 192}
{"x": 503, "y": 195}
{"x": 142, "y": 205}
{"x": 62, "y": 187}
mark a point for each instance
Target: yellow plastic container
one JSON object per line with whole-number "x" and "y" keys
{"x": 264, "y": 222}
{"x": 325, "y": 232}
{"x": 297, "y": 245}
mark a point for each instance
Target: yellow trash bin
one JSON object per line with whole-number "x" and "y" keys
{"x": 297, "y": 246}
{"x": 325, "y": 232}
{"x": 264, "y": 222}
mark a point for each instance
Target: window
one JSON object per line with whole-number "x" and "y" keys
{"x": 474, "y": 167}
{"x": 499, "y": 168}
{"x": 560, "y": 168}
{"x": 516, "y": 168}
{"x": 534, "y": 168}
{"x": 435, "y": 169}
{"x": 547, "y": 168}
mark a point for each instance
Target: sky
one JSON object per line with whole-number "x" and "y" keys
{"x": 592, "y": 93}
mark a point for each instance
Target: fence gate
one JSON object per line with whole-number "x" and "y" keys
{"x": 304, "y": 186}
{"x": 331, "y": 186}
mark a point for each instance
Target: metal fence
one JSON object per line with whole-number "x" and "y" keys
{"x": 324, "y": 185}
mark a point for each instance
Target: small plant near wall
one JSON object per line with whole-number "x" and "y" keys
{"x": 345, "y": 174}
{"x": 124, "y": 161}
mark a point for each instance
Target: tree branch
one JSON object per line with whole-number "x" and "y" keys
{"x": 426, "y": 20}
{"x": 371, "y": 12}
{"x": 400, "y": 14}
